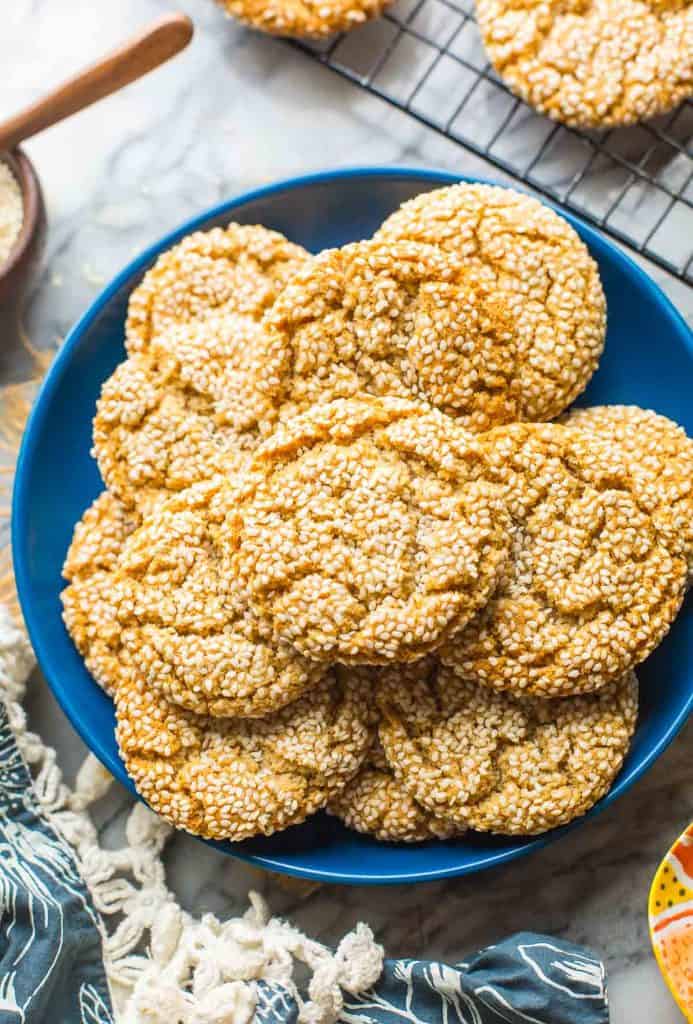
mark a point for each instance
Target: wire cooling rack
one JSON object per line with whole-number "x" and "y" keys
{"x": 425, "y": 57}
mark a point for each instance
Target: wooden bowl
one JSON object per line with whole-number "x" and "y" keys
{"x": 16, "y": 271}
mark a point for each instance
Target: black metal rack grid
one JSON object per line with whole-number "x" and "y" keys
{"x": 425, "y": 57}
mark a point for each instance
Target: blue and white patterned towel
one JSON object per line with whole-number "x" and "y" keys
{"x": 527, "y": 979}
{"x": 51, "y": 966}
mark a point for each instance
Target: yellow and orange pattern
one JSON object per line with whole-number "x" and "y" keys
{"x": 670, "y": 911}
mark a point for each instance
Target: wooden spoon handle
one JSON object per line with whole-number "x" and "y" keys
{"x": 163, "y": 39}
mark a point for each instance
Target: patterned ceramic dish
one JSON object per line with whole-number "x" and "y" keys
{"x": 670, "y": 911}
{"x": 648, "y": 361}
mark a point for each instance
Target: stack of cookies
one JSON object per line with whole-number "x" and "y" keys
{"x": 346, "y": 561}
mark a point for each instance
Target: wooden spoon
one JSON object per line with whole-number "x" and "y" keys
{"x": 670, "y": 912}
{"x": 141, "y": 54}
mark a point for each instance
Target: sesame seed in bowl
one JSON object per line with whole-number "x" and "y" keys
{"x": 22, "y": 228}
{"x": 11, "y": 211}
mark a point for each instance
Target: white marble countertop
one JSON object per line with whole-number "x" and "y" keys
{"x": 235, "y": 111}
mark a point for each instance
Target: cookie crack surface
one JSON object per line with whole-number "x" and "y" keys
{"x": 366, "y": 539}
{"x": 498, "y": 763}
{"x": 591, "y": 585}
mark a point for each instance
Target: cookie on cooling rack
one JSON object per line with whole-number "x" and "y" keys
{"x": 590, "y": 588}
{"x": 498, "y": 763}
{"x": 312, "y": 19}
{"x": 237, "y": 778}
{"x": 592, "y": 63}
{"x": 89, "y": 609}
{"x": 392, "y": 319}
{"x": 660, "y": 457}
{"x": 364, "y": 541}
{"x": 239, "y": 269}
{"x": 537, "y": 269}
{"x": 376, "y": 803}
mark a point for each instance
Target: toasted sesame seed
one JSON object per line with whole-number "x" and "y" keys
{"x": 496, "y": 762}
{"x": 99, "y": 537}
{"x": 398, "y": 319}
{"x": 11, "y": 211}
{"x": 590, "y": 589}
{"x": 304, "y": 18}
{"x": 235, "y": 778}
{"x": 364, "y": 540}
{"x": 375, "y": 802}
{"x": 165, "y": 418}
{"x": 186, "y": 626}
{"x": 660, "y": 459}
{"x": 185, "y": 404}
{"x": 536, "y": 268}
{"x": 90, "y": 608}
{"x": 236, "y": 269}
{"x": 163, "y": 604}
{"x": 593, "y": 63}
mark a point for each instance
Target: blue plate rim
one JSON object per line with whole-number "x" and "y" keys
{"x": 53, "y": 379}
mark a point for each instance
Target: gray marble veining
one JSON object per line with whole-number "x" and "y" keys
{"x": 235, "y": 111}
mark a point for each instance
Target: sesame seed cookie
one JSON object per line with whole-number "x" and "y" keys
{"x": 237, "y": 778}
{"x": 398, "y": 319}
{"x": 185, "y": 624}
{"x": 181, "y": 411}
{"x": 375, "y": 802}
{"x": 530, "y": 259}
{"x": 239, "y": 268}
{"x": 185, "y": 405}
{"x": 592, "y": 63}
{"x": 89, "y": 612}
{"x": 660, "y": 457}
{"x": 498, "y": 763}
{"x": 590, "y": 588}
{"x": 363, "y": 540}
{"x": 312, "y": 19}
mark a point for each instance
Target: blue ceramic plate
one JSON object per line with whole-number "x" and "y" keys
{"x": 648, "y": 361}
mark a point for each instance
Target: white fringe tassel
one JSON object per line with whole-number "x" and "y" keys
{"x": 193, "y": 971}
